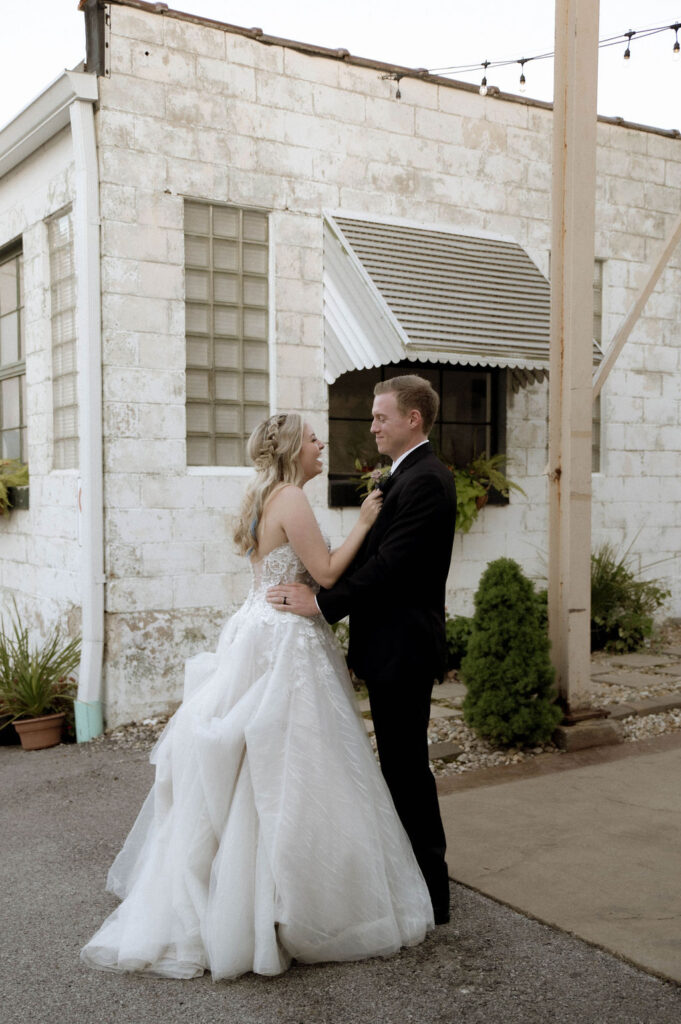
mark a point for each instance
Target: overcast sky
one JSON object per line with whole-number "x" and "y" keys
{"x": 39, "y": 38}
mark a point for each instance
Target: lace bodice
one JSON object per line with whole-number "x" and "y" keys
{"x": 281, "y": 565}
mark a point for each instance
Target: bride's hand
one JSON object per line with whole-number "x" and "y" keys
{"x": 371, "y": 506}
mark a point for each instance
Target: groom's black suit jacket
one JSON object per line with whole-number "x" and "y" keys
{"x": 394, "y": 591}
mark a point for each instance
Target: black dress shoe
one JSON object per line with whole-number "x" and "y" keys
{"x": 441, "y": 915}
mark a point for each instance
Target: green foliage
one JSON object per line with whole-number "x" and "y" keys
{"x": 622, "y": 607}
{"x": 473, "y": 483}
{"x": 12, "y": 474}
{"x": 342, "y": 631}
{"x": 35, "y": 681}
{"x": 458, "y": 631}
{"x": 509, "y": 678}
{"x": 469, "y": 497}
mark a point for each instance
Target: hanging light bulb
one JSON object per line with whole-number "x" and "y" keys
{"x": 483, "y": 85}
{"x": 627, "y": 52}
{"x": 523, "y": 83}
{"x": 676, "y": 52}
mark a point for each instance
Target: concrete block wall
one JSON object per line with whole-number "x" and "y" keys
{"x": 191, "y": 110}
{"x": 39, "y": 548}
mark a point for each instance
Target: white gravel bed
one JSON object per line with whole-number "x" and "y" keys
{"x": 619, "y": 693}
{"x": 477, "y": 753}
{"x": 642, "y": 727}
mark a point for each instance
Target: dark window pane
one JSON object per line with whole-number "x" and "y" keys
{"x": 466, "y": 425}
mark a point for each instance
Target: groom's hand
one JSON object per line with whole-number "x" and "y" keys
{"x": 293, "y": 597}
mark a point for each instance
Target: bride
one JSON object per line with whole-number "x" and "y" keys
{"x": 269, "y": 833}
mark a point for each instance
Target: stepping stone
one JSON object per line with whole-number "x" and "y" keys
{"x": 674, "y": 650}
{"x": 639, "y": 660}
{"x": 656, "y": 705}
{"x": 444, "y": 751}
{"x": 448, "y": 690}
{"x": 640, "y": 680}
{"x": 619, "y": 711}
{"x": 438, "y": 711}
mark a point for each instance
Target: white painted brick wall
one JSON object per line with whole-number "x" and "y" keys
{"x": 214, "y": 115}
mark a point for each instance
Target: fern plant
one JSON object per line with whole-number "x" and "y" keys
{"x": 12, "y": 474}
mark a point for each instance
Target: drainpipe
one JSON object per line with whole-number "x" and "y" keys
{"x": 88, "y": 706}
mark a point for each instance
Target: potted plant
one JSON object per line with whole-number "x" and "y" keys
{"x": 36, "y": 685}
{"x": 13, "y": 485}
{"x": 473, "y": 484}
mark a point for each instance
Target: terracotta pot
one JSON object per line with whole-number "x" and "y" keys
{"x": 481, "y": 500}
{"x": 38, "y": 733}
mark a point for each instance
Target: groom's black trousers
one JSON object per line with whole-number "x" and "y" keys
{"x": 400, "y": 710}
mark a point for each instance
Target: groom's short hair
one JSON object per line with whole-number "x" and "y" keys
{"x": 412, "y": 392}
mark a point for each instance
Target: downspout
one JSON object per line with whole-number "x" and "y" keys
{"x": 88, "y": 706}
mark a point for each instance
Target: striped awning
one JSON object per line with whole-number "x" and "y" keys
{"x": 393, "y": 292}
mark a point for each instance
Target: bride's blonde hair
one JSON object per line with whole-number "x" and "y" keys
{"x": 273, "y": 448}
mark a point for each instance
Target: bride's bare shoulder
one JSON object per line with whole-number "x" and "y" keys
{"x": 286, "y": 495}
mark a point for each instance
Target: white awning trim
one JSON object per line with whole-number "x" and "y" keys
{"x": 393, "y": 292}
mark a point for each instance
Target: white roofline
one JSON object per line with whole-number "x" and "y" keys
{"x": 46, "y": 115}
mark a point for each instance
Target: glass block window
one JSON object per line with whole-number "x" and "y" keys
{"x": 471, "y": 419}
{"x": 63, "y": 315}
{"x": 12, "y": 356}
{"x": 226, "y": 302}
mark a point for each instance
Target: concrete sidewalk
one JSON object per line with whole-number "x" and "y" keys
{"x": 589, "y": 843}
{"x": 64, "y": 813}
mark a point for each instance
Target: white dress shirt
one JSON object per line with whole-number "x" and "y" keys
{"x": 404, "y": 455}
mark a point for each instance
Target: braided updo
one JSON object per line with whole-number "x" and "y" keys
{"x": 273, "y": 448}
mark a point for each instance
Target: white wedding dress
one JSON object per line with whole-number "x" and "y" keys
{"x": 269, "y": 833}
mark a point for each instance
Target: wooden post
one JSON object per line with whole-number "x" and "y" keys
{"x": 570, "y": 388}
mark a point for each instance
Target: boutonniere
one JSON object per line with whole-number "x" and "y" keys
{"x": 371, "y": 477}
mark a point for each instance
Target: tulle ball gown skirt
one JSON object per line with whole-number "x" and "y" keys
{"x": 269, "y": 834}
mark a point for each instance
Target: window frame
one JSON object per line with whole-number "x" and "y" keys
{"x": 17, "y": 369}
{"x": 342, "y": 486}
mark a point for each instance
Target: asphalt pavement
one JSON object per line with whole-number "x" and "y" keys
{"x": 64, "y": 813}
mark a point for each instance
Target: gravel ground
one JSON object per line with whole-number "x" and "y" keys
{"x": 478, "y": 753}
{"x": 64, "y": 813}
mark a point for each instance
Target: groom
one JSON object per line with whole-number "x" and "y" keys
{"x": 394, "y": 593}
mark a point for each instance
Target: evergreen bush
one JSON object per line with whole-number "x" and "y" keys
{"x": 458, "y": 631}
{"x": 509, "y": 677}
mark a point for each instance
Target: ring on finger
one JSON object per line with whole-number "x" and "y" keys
{"x": 284, "y": 601}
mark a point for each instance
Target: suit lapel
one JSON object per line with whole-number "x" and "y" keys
{"x": 412, "y": 459}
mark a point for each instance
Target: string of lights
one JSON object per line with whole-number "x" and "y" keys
{"x": 624, "y": 38}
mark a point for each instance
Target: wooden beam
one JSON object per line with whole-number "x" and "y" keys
{"x": 627, "y": 326}
{"x": 570, "y": 386}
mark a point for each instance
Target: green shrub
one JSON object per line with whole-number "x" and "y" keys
{"x": 509, "y": 678}
{"x": 458, "y": 632}
{"x": 35, "y": 681}
{"x": 622, "y": 607}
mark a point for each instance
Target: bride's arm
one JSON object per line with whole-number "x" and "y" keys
{"x": 294, "y": 513}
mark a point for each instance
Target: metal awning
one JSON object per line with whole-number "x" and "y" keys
{"x": 393, "y": 292}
